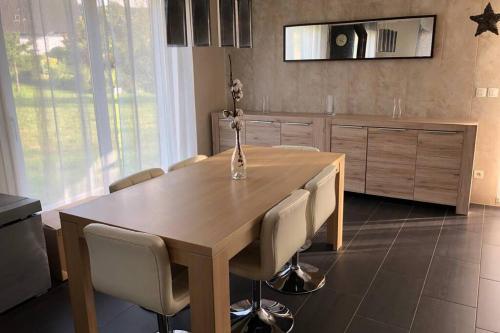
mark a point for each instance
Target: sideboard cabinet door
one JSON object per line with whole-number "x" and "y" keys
{"x": 439, "y": 158}
{"x": 391, "y": 162}
{"x": 226, "y": 135}
{"x": 352, "y": 141}
{"x": 297, "y": 134}
{"x": 263, "y": 133}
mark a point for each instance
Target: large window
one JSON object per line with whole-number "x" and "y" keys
{"x": 97, "y": 93}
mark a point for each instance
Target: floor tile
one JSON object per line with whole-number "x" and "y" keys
{"x": 412, "y": 261}
{"x": 491, "y": 231}
{"x": 387, "y": 211}
{"x": 453, "y": 280}
{"x": 134, "y": 319}
{"x": 428, "y": 211}
{"x": 490, "y": 262}
{"x": 108, "y": 308}
{"x": 354, "y": 271}
{"x": 419, "y": 233}
{"x": 471, "y": 223}
{"x": 326, "y": 311}
{"x": 434, "y": 315}
{"x": 459, "y": 244}
{"x": 376, "y": 236}
{"x": 365, "y": 325}
{"x": 359, "y": 208}
{"x": 392, "y": 299}
{"x": 492, "y": 211}
{"x": 488, "y": 310}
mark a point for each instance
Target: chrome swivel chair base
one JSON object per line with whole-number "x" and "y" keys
{"x": 297, "y": 279}
{"x": 260, "y": 315}
{"x": 165, "y": 326}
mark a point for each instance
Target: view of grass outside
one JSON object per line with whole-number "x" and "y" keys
{"x": 44, "y": 160}
{"x": 54, "y": 99}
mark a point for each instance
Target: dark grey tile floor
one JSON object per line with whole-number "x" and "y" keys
{"x": 405, "y": 267}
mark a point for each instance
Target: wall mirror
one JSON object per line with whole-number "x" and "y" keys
{"x": 393, "y": 38}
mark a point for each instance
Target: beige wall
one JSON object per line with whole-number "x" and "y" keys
{"x": 442, "y": 87}
{"x": 209, "y": 86}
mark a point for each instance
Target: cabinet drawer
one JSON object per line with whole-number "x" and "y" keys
{"x": 392, "y": 145}
{"x": 351, "y": 141}
{"x": 391, "y": 161}
{"x": 297, "y": 134}
{"x": 440, "y": 150}
{"x": 436, "y": 185}
{"x": 390, "y": 180}
{"x": 263, "y": 133}
{"x": 226, "y": 135}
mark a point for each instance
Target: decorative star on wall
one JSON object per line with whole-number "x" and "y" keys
{"x": 486, "y": 21}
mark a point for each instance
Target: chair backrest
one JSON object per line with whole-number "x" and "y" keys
{"x": 187, "y": 162}
{"x": 130, "y": 265}
{"x": 307, "y": 148}
{"x": 136, "y": 178}
{"x": 322, "y": 200}
{"x": 283, "y": 232}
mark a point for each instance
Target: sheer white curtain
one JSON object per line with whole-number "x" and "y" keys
{"x": 96, "y": 95}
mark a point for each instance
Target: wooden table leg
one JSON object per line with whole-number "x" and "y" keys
{"x": 209, "y": 293}
{"x": 80, "y": 283}
{"x": 336, "y": 222}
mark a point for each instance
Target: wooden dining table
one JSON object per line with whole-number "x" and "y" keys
{"x": 205, "y": 219}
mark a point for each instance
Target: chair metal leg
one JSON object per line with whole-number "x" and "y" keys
{"x": 297, "y": 278}
{"x": 165, "y": 325}
{"x": 264, "y": 315}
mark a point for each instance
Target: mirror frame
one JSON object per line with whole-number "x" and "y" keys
{"x": 363, "y": 21}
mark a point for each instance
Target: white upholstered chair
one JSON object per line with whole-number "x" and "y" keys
{"x": 187, "y": 162}
{"x": 135, "y": 267}
{"x": 307, "y": 148}
{"x": 297, "y": 278}
{"x": 283, "y": 231}
{"x": 136, "y": 178}
{"x": 308, "y": 242}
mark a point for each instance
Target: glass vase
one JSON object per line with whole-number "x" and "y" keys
{"x": 238, "y": 160}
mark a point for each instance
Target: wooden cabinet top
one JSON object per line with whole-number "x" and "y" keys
{"x": 373, "y": 120}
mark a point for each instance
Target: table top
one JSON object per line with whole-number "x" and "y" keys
{"x": 199, "y": 207}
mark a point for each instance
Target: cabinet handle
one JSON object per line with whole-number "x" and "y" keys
{"x": 298, "y": 124}
{"x": 440, "y": 132}
{"x": 389, "y": 129}
{"x": 261, "y": 122}
{"x": 349, "y": 126}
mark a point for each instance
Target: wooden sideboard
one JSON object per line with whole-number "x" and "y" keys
{"x": 417, "y": 159}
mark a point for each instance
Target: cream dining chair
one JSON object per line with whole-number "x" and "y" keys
{"x": 297, "y": 278}
{"x": 283, "y": 231}
{"x": 135, "y": 179}
{"x": 135, "y": 267}
{"x": 187, "y": 162}
{"x": 308, "y": 242}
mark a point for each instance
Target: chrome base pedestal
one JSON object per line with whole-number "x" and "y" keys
{"x": 260, "y": 315}
{"x": 297, "y": 278}
{"x": 165, "y": 326}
